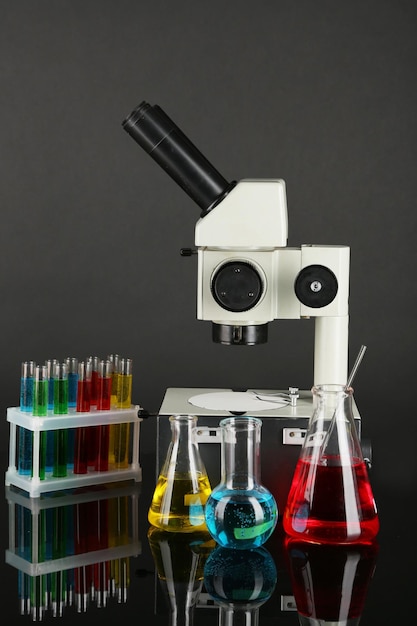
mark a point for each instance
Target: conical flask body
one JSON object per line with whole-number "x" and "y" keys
{"x": 183, "y": 485}
{"x": 330, "y": 498}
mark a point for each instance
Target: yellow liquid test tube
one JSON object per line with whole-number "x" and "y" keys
{"x": 115, "y": 361}
{"x": 119, "y": 433}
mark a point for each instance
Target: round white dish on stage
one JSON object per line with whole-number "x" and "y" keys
{"x": 237, "y": 401}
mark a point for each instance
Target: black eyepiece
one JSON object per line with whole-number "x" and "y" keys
{"x": 157, "y": 134}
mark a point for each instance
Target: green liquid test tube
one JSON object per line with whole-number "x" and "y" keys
{"x": 60, "y": 408}
{"x": 40, "y": 409}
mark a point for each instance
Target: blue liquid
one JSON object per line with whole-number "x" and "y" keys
{"x": 51, "y": 393}
{"x": 241, "y": 518}
{"x": 72, "y": 390}
{"x": 26, "y": 394}
{"x": 24, "y": 462}
{"x": 244, "y": 577}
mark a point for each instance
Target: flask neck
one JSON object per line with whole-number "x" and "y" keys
{"x": 241, "y": 463}
{"x": 328, "y": 399}
{"x": 183, "y": 455}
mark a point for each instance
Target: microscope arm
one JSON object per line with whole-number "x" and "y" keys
{"x": 331, "y": 350}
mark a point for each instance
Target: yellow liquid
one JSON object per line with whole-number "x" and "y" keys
{"x": 119, "y": 446}
{"x": 124, "y": 391}
{"x": 177, "y": 505}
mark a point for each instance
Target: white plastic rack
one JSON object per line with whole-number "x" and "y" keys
{"x": 33, "y": 484}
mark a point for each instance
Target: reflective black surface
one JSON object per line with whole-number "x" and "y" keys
{"x": 163, "y": 579}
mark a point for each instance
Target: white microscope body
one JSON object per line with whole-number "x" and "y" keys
{"x": 248, "y": 229}
{"x": 247, "y": 277}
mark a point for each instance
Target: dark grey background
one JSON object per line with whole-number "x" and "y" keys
{"x": 322, "y": 94}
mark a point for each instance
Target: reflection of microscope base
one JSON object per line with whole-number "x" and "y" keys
{"x": 282, "y": 433}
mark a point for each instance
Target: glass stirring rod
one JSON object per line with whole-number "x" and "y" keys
{"x": 356, "y": 366}
{"x": 348, "y": 384}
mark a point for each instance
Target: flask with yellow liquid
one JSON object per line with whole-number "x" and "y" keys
{"x": 183, "y": 486}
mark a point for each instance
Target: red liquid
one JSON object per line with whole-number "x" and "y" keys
{"x": 104, "y": 394}
{"x": 331, "y": 503}
{"x": 80, "y": 451}
{"x": 93, "y": 384}
{"x": 102, "y": 448}
{"x": 103, "y": 432}
{"x": 83, "y": 396}
{"x": 330, "y": 582}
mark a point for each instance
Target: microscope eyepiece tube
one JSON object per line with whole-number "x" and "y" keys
{"x": 157, "y": 134}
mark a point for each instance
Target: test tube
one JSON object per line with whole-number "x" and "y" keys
{"x": 104, "y": 385}
{"x": 103, "y": 404}
{"x": 83, "y": 406}
{"x": 40, "y": 409}
{"x": 84, "y": 386}
{"x": 50, "y": 365}
{"x": 60, "y": 408}
{"x": 115, "y": 361}
{"x": 25, "y": 449}
{"x": 72, "y": 364}
{"x": 124, "y": 384}
{"x": 119, "y": 433}
{"x": 92, "y": 430}
{"x": 40, "y": 391}
{"x": 94, "y": 379}
{"x": 26, "y": 386}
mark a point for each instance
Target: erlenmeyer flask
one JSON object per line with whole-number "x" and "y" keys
{"x": 183, "y": 485}
{"x": 330, "y": 499}
{"x": 240, "y": 512}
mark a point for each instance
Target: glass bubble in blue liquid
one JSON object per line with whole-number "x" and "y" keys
{"x": 239, "y": 518}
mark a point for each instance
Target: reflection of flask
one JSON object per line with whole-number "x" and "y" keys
{"x": 330, "y": 499}
{"x": 240, "y": 581}
{"x": 330, "y": 582}
{"x": 183, "y": 485}
{"x": 240, "y": 512}
{"x": 179, "y": 560}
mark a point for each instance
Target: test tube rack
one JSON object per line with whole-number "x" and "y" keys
{"x": 104, "y": 520}
{"x": 33, "y": 484}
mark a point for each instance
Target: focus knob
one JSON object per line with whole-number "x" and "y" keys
{"x": 316, "y": 286}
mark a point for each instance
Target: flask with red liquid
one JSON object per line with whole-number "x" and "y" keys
{"x": 330, "y": 498}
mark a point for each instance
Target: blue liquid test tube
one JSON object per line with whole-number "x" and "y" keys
{"x": 26, "y": 386}
{"x": 72, "y": 365}
{"x": 24, "y": 461}
{"x": 40, "y": 409}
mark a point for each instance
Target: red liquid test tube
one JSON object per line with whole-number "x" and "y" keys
{"x": 83, "y": 406}
{"x": 103, "y": 404}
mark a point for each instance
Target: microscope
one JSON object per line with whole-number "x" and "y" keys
{"x": 248, "y": 277}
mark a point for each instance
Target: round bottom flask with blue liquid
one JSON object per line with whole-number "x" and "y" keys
{"x": 240, "y": 512}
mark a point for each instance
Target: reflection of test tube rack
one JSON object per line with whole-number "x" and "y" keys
{"x": 21, "y": 423}
{"x": 73, "y": 548}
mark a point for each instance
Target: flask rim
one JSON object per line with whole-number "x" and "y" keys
{"x": 238, "y": 421}
{"x": 334, "y": 388}
{"x": 182, "y": 417}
